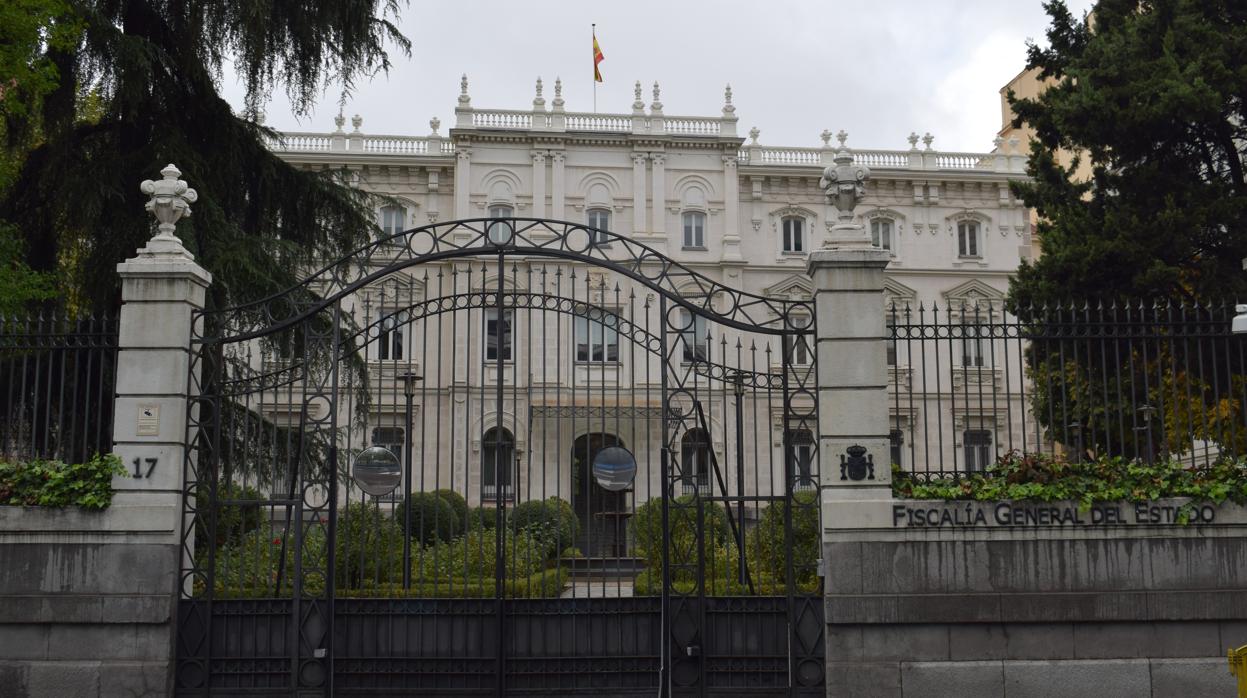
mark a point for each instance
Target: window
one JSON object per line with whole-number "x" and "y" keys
{"x": 890, "y": 351}
{"x": 393, "y": 220}
{"x": 794, "y": 234}
{"x": 972, "y": 349}
{"x": 696, "y": 340}
{"x": 801, "y": 450}
{"x": 978, "y": 445}
{"x": 896, "y": 442}
{"x": 695, "y": 461}
{"x": 492, "y": 343}
{"x": 600, "y": 219}
{"x": 499, "y": 211}
{"x": 968, "y": 239}
{"x": 881, "y": 233}
{"x": 497, "y": 463}
{"x": 390, "y": 338}
{"x": 392, "y": 440}
{"x": 796, "y": 349}
{"x": 694, "y": 229}
{"x": 596, "y": 338}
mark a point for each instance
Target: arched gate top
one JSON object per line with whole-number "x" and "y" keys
{"x": 537, "y": 237}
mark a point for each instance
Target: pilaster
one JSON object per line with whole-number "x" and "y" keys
{"x": 539, "y": 184}
{"x": 658, "y": 225}
{"x": 557, "y": 200}
{"x": 731, "y": 206}
{"x": 638, "y": 193}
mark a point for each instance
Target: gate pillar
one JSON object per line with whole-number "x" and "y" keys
{"x": 854, "y": 449}
{"x": 161, "y": 288}
{"x": 852, "y": 370}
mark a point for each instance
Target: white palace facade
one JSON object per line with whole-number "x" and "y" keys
{"x": 695, "y": 188}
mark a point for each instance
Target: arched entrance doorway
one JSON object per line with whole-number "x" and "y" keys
{"x": 603, "y": 514}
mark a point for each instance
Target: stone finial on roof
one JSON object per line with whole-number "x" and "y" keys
{"x": 913, "y": 140}
{"x": 356, "y": 122}
{"x": 339, "y": 121}
{"x": 464, "y": 99}
{"x": 753, "y": 135}
{"x": 928, "y": 139}
{"x": 638, "y": 104}
{"x": 434, "y": 124}
{"x": 558, "y": 93}
{"x": 728, "y": 108}
{"x": 826, "y": 138}
{"x": 841, "y": 137}
{"x": 538, "y": 100}
{"x": 657, "y": 104}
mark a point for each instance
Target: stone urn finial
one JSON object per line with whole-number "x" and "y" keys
{"x": 844, "y": 183}
{"x": 170, "y": 201}
{"x": 913, "y": 140}
{"x": 753, "y": 135}
{"x": 435, "y": 123}
{"x": 825, "y": 136}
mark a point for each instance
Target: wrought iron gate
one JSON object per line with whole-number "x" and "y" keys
{"x": 605, "y": 464}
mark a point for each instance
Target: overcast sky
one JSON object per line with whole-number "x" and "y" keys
{"x": 876, "y": 69}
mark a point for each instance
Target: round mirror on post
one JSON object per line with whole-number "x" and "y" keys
{"x": 500, "y": 232}
{"x": 614, "y": 468}
{"x": 376, "y": 471}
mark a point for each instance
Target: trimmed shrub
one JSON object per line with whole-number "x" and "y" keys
{"x": 648, "y": 534}
{"x": 233, "y": 521}
{"x": 766, "y": 540}
{"x": 459, "y": 504}
{"x": 551, "y": 521}
{"x": 482, "y": 517}
{"x": 369, "y": 545}
{"x": 473, "y": 557}
{"x": 432, "y": 518}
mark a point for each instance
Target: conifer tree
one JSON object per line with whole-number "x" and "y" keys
{"x": 148, "y": 74}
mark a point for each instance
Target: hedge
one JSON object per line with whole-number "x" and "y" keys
{"x": 51, "y": 483}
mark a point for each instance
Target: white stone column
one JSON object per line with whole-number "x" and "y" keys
{"x": 539, "y": 184}
{"x": 556, "y": 176}
{"x": 731, "y": 209}
{"x": 638, "y": 193}
{"x": 659, "y": 196}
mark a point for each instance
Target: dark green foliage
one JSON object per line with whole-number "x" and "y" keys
{"x": 369, "y": 546}
{"x": 767, "y": 543}
{"x": 648, "y": 534}
{"x": 550, "y": 521}
{"x": 1033, "y": 476}
{"x": 432, "y": 518}
{"x": 459, "y": 504}
{"x": 233, "y": 521}
{"x": 54, "y": 484}
{"x": 1152, "y": 96}
{"x": 482, "y": 517}
{"x": 259, "y": 220}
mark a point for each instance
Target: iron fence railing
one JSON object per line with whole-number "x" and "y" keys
{"x": 57, "y": 380}
{"x": 971, "y": 382}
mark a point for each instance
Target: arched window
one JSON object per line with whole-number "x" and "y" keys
{"x": 881, "y": 233}
{"x": 393, "y": 220}
{"x": 968, "y": 243}
{"x": 497, "y": 463}
{"x": 694, "y": 230}
{"x": 801, "y": 450}
{"x": 600, "y": 219}
{"x": 794, "y": 234}
{"x": 695, "y": 460}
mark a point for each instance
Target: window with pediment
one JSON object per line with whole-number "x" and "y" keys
{"x": 793, "y": 234}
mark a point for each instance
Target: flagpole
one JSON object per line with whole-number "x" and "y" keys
{"x": 594, "y": 31}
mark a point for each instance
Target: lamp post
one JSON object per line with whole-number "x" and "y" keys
{"x": 738, "y": 388}
{"x": 409, "y": 391}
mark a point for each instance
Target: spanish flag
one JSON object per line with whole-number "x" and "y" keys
{"x": 597, "y": 58}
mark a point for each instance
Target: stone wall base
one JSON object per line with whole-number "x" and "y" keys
{"x": 1089, "y": 678}
{"x": 83, "y": 678}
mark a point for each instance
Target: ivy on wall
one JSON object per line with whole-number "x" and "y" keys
{"x": 50, "y": 483}
{"x": 1040, "y": 477}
